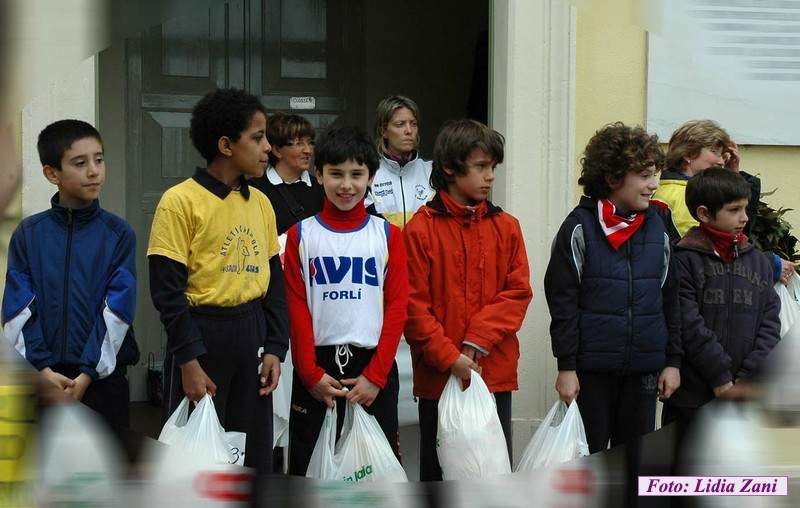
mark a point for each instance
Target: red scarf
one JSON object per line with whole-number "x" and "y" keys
{"x": 726, "y": 245}
{"x": 617, "y": 229}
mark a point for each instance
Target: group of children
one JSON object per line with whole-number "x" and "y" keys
{"x": 635, "y": 316}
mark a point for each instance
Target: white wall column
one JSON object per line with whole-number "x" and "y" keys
{"x": 532, "y": 104}
{"x": 72, "y": 96}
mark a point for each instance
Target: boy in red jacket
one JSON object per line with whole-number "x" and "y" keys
{"x": 347, "y": 293}
{"x": 469, "y": 281}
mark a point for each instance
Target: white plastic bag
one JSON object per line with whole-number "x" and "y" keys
{"x": 363, "y": 454}
{"x": 471, "y": 443}
{"x": 560, "y": 438}
{"x": 790, "y": 308}
{"x": 323, "y": 464}
{"x": 281, "y": 402}
{"x": 80, "y": 463}
{"x": 200, "y": 434}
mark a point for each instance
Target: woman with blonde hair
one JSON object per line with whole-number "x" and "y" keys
{"x": 402, "y": 183}
{"x": 694, "y": 147}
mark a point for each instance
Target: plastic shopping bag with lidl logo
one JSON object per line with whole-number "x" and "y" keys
{"x": 362, "y": 454}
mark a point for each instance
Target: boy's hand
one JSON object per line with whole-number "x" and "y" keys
{"x": 195, "y": 381}
{"x": 327, "y": 390}
{"x": 719, "y": 390}
{"x": 463, "y": 367}
{"x": 472, "y": 353}
{"x": 787, "y": 270}
{"x": 567, "y": 385}
{"x": 57, "y": 380}
{"x": 731, "y": 157}
{"x": 270, "y": 374}
{"x": 363, "y": 392}
{"x": 78, "y": 389}
{"x": 741, "y": 390}
{"x": 668, "y": 382}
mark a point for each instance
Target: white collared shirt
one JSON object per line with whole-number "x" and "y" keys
{"x": 275, "y": 179}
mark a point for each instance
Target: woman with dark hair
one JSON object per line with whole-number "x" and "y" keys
{"x": 293, "y": 191}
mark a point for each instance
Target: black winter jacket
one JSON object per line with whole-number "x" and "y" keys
{"x": 613, "y": 311}
{"x": 729, "y": 317}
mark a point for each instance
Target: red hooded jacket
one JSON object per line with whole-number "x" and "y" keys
{"x": 469, "y": 282}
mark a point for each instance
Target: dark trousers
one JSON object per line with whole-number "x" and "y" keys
{"x": 620, "y": 410}
{"x": 616, "y": 408}
{"x": 684, "y": 419}
{"x": 429, "y": 468}
{"x": 307, "y": 413}
{"x": 108, "y": 396}
{"x": 232, "y": 337}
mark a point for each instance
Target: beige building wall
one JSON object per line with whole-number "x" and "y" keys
{"x": 611, "y": 84}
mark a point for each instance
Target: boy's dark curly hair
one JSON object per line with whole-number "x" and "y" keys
{"x": 223, "y": 112}
{"x": 612, "y": 152}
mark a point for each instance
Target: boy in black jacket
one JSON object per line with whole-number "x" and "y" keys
{"x": 612, "y": 291}
{"x": 728, "y": 305}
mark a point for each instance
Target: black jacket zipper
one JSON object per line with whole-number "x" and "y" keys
{"x": 629, "y": 346}
{"x": 66, "y": 285}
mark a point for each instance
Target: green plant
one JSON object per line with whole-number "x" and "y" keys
{"x": 772, "y": 232}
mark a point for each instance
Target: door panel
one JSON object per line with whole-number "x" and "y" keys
{"x": 170, "y": 67}
{"x": 275, "y": 52}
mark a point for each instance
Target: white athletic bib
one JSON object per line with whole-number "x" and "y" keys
{"x": 344, "y": 273}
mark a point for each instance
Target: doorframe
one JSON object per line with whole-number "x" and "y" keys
{"x": 532, "y": 103}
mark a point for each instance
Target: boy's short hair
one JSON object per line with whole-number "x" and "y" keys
{"x": 223, "y": 112}
{"x": 340, "y": 144}
{"x": 283, "y": 128}
{"x": 455, "y": 141}
{"x": 690, "y": 138}
{"x": 714, "y": 188}
{"x": 383, "y": 114}
{"x": 57, "y": 138}
{"x": 612, "y": 152}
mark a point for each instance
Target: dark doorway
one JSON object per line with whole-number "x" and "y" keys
{"x": 331, "y": 61}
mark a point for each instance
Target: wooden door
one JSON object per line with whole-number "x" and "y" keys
{"x": 292, "y": 53}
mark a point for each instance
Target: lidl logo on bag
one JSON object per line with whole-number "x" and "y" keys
{"x": 359, "y": 475}
{"x": 333, "y": 270}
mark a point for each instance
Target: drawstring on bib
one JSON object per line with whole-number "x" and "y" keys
{"x": 343, "y": 350}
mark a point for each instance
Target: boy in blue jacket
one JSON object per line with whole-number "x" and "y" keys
{"x": 70, "y": 287}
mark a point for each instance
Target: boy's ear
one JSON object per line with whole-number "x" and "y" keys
{"x": 448, "y": 171}
{"x": 613, "y": 184}
{"x": 703, "y": 215}
{"x": 224, "y": 146}
{"x": 318, "y": 174}
{"x": 52, "y": 174}
{"x": 369, "y": 183}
